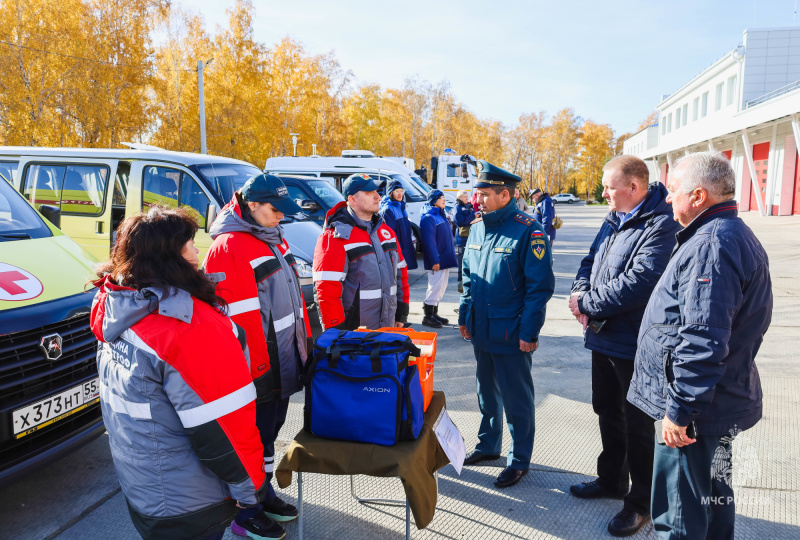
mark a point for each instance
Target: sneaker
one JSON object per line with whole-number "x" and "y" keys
{"x": 279, "y": 510}
{"x": 258, "y": 527}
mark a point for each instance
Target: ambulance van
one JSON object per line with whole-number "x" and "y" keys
{"x": 49, "y": 393}
{"x": 95, "y": 189}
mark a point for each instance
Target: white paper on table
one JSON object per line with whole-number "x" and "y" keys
{"x": 450, "y": 439}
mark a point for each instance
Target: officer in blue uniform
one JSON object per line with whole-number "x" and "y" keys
{"x": 508, "y": 279}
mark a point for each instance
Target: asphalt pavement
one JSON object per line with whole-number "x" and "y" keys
{"x": 79, "y": 497}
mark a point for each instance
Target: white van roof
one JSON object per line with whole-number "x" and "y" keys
{"x": 149, "y": 153}
{"x": 332, "y": 164}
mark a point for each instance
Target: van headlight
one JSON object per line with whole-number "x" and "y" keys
{"x": 304, "y": 271}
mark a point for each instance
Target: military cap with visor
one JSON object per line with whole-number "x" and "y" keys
{"x": 492, "y": 176}
{"x": 267, "y": 188}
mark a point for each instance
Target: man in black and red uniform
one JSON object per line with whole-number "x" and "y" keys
{"x": 360, "y": 276}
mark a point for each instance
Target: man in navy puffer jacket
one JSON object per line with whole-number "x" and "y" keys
{"x": 439, "y": 255}
{"x": 611, "y": 289}
{"x": 393, "y": 212}
{"x": 695, "y": 361}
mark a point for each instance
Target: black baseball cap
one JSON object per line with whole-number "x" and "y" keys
{"x": 359, "y": 182}
{"x": 267, "y": 188}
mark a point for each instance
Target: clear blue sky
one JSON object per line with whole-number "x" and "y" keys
{"x": 610, "y": 60}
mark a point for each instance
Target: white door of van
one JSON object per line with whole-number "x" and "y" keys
{"x": 83, "y": 188}
{"x": 171, "y": 185}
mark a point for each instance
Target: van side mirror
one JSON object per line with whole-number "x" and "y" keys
{"x": 52, "y": 213}
{"x": 308, "y": 205}
{"x": 211, "y": 215}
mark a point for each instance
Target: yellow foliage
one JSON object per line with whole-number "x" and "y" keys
{"x": 100, "y": 72}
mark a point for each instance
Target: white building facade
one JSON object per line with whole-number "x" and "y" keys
{"x": 747, "y": 105}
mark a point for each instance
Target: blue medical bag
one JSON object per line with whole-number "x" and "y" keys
{"x": 360, "y": 387}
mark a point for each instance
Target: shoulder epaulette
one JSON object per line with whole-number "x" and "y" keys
{"x": 525, "y": 220}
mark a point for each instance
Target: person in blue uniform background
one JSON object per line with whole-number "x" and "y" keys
{"x": 544, "y": 212}
{"x": 393, "y": 212}
{"x": 508, "y": 279}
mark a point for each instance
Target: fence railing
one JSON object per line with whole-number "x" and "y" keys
{"x": 771, "y": 95}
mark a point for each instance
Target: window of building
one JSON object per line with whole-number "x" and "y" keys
{"x": 718, "y": 102}
{"x": 704, "y": 106}
{"x": 677, "y": 118}
{"x": 669, "y": 123}
{"x": 685, "y": 113}
{"x": 664, "y": 127}
{"x": 695, "y": 108}
{"x": 731, "y": 90}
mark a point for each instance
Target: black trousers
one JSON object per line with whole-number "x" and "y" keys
{"x": 626, "y": 432}
{"x": 270, "y": 416}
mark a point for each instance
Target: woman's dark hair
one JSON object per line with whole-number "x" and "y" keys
{"x": 148, "y": 254}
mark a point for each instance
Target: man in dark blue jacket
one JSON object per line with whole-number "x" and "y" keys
{"x": 695, "y": 362}
{"x": 438, "y": 253}
{"x": 508, "y": 279}
{"x": 544, "y": 212}
{"x": 464, "y": 216}
{"x": 609, "y": 295}
{"x": 393, "y": 212}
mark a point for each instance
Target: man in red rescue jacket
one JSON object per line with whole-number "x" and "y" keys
{"x": 360, "y": 276}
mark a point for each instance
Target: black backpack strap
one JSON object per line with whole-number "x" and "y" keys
{"x": 375, "y": 358}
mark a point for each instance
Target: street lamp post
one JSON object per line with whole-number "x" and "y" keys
{"x": 294, "y": 142}
{"x": 202, "y": 100}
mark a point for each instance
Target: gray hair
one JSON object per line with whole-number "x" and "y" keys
{"x": 710, "y": 170}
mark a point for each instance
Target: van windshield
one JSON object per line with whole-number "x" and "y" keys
{"x": 325, "y": 191}
{"x": 414, "y": 193}
{"x": 225, "y": 178}
{"x": 420, "y": 183}
{"x": 18, "y": 220}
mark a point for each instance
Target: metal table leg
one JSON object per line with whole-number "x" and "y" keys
{"x": 300, "y": 505}
{"x": 408, "y": 521}
{"x": 390, "y": 502}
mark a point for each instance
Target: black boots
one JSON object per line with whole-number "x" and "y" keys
{"x": 437, "y": 317}
{"x": 430, "y": 316}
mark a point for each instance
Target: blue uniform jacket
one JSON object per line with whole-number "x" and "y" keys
{"x": 465, "y": 214}
{"x": 508, "y": 280}
{"x": 395, "y": 216}
{"x": 437, "y": 238}
{"x": 703, "y": 327}
{"x": 620, "y": 271}
{"x": 545, "y": 213}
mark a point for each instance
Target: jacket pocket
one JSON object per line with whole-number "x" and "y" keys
{"x": 504, "y": 324}
{"x": 509, "y": 273}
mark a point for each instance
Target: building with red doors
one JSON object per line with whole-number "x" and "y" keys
{"x": 747, "y": 105}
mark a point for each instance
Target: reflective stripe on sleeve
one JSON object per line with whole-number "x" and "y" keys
{"x": 243, "y": 306}
{"x": 203, "y": 414}
{"x": 348, "y": 247}
{"x": 393, "y": 290}
{"x": 370, "y": 295}
{"x": 284, "y": 322}
{"x": 259, "y": 260}
{"x": 123, "y": 406}
{"x": 326, "y": 275}
{"x": 402, "y": 264}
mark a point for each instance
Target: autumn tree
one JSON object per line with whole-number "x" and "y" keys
{"x": 595, "y": 148}
{"x": 75, "y": 73}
